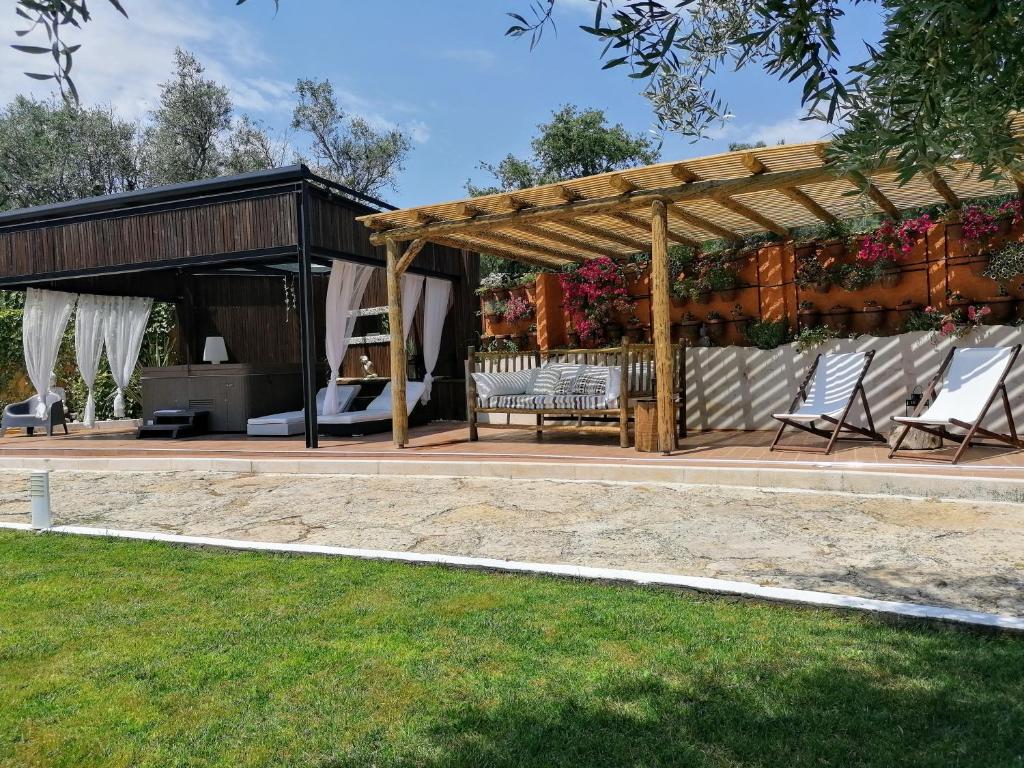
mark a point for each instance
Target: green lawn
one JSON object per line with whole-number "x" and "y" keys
{"x": 132, "y": 654}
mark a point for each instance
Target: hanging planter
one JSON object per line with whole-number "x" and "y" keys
{"x": 613, "y": 331}
{"x": 704, "y": 297}
{"x": 728, "y": 294}
{"x": 837, "y": 318}
{"x": 832, "y": 249}
{"x": 1002, "y": 310}
{"x": 715, "y": 325}
{"x": 890, "y": 278}
{"x": 873, "y": 315}
{"x": 807, "y": 316}
{"x": 687, "y": 329}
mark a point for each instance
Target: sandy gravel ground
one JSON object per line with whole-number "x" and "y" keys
{"x": 963, "y": 554}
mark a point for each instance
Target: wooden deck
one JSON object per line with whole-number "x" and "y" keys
{"x": 449, "y": 442}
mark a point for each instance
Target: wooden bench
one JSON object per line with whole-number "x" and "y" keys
{"x": 636, "y": 369}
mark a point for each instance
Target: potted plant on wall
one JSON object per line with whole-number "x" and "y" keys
{"x": 807, "y": 314}
{"x": 635, "y": 329}
{"x": 688, "y": 329}
{"x": 873, "y": 314}
{"x": 591, "y": 293}
{"x": 1001, "y": 308}
{"x": 837, "y": 318}
{"x": 494, "y": 311}
{"x": 811, "y": 274}
{"x": 740, "y": 320}
{"x": 832, "y": 243}
{"x": 714, "y": 323}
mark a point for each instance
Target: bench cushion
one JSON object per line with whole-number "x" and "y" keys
{"x": 550, "y": 402}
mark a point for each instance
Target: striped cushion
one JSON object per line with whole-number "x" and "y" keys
{"x": 508, "y": 383}
{"x": 545, "y": 381}
{"x": 550, "y": 402}
{"x": 593, "y": 380}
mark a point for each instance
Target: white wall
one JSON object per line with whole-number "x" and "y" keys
{"x": 740, "y": 387}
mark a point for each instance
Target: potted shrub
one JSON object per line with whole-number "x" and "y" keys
{"x": 873, "y": 314}
{"x": 592, "y": 292}
{"x": 977, "y": 224}
{"x": 679, "y": 293}
{"x": 715, "y": 325}
{"x": 721, "y": 280}
{"x": 837, "y": 318}
{"x": 688, "y": 329}
{"x": 807, "y": 314}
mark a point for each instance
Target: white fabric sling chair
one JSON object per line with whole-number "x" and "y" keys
{"x": 971, "y": 378}
{"x": 827, "y": 394}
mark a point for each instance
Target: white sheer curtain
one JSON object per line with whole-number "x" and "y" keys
{"x": 124, "y": 326}
{"x": 435, "y": 309}
{"x": 345, "y": 290}
{"x": 45, "y": 318}
{"x": 89, "y": 347}
{"x": 412, "y": 287}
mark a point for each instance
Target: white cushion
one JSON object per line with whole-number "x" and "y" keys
{"x": 413, "y": 393}
{"x": 614, "y": 383}
{"x": 592, "y": 380}
{"x": 356, "y": 417}
{"x": 506, "y": 383}
{"x": 290, "y": 417}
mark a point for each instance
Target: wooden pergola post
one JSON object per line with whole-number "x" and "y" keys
{"x": 662, "y": 321}
{"x": 397, "y": 263}
{"x": 399, "y": 414}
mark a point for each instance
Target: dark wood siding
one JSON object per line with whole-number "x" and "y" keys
{"x": 130, "y": 240}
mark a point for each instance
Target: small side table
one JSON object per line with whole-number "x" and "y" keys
{"x": 645, "y": 425}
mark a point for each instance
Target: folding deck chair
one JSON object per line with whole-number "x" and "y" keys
{"x": 827, "y": 394}
{"x": 974, "y": 376}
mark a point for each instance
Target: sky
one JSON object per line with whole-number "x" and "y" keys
{"x": 443, "y": 71}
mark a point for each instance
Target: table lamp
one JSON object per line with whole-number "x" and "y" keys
{"x": 215, "y": 350}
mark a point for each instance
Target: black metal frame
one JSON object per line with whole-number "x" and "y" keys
{"x": 839, "y": 425}
{"x": 971, "y": 430}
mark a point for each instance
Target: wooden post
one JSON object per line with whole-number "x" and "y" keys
{"x": 307, "y": 338}
{"x": 662, "y": 330}
{"x": 399, "y": 413}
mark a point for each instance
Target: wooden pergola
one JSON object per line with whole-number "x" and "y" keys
{"x": 645, "y": 210}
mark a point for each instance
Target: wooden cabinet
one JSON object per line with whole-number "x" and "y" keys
{"x": 232, "y": 393}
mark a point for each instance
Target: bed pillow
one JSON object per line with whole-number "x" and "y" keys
{"x": 508, "y": 383}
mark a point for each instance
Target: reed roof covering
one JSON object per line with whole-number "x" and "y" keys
{"x": 730, "y": 195}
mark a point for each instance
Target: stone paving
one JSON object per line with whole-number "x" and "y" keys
{"x": 962, "y": 554}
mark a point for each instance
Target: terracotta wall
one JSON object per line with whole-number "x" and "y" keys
{"x": 939, "y": 264}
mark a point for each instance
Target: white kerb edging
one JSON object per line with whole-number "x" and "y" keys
{"x": 696, "y": 583}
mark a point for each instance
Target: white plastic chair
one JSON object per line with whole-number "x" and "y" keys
{"x": 827, "y": 393}
{"x": 971, "y": 378}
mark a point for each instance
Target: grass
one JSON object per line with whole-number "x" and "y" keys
{"x": 118, "y": 653}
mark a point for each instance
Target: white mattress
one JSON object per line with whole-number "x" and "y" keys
{"x": 356, "y": 417}
{"x": 291, "y": 417}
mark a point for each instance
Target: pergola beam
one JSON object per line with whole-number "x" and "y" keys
{"x": 605, "y": 234}
{"x": 621, "y": 184}
{"x": 749, "y": 213}
{"x": 572, "y": 242}
{"x": 696, "y": 190}
{"x": 752, "y": 164}
{"x": 945, "y": 192}
{"x": 411, "y": 252}
{"x": 533, "y": 249}
{"x": 471, "y": 243}
{"x": 399, "y": 414}
{"x": 802, "y": 198}
{"x": 701, "y": 223}
{"x": 877, "y": 196}
{"x": 643, "y": 226}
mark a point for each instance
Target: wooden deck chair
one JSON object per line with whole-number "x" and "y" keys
{"x": 827, "y": 394}
{"x": 971, "y": 378}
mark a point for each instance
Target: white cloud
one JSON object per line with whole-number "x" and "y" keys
{"x": 123, "y": 61}
{"x": 790, "y": 129}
